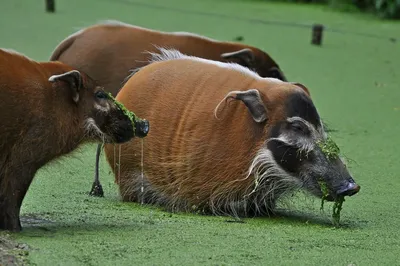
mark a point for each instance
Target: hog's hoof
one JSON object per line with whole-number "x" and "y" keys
{"x": 97, "y": 190}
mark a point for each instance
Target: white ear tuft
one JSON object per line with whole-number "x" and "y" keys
{"x": 54, "y": 78}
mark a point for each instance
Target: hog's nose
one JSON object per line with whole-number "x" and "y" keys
{"x": 348, "y": 188}
{"x": 142, "y": 128}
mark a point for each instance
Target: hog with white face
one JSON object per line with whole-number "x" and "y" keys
{"x": 224, "y": 140}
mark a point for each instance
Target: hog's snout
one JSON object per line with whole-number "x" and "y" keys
{"x": 348, "y": 188}
{"x": 142, "y": 128}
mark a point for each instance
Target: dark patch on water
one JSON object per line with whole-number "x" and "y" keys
{"x": 312, "y": 219}
{"x": 35, "y": 220}
{"x": 235, "y": 221}
{"x": 38, "y": 221}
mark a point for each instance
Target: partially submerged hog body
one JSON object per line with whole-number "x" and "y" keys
{"x": 224, "y": 140}
{"x": 47, "y": 109}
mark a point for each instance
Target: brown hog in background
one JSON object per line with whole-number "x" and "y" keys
{"x": 109, "y": 51}
{"x": 223, "y": 139}
{"x": 47, "y": 109}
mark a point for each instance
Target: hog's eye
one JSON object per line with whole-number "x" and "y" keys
{"x": 101, "y": 95}
{"x": 274, "y": 73}
{"x": 300, "y": 127}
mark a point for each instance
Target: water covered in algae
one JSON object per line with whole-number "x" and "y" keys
{"x": 72, "y": 228}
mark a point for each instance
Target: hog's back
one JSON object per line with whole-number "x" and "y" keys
{"x": 21, "y": 91}
{"x": 107, "y": 53}
{"x": 189, "y": 151}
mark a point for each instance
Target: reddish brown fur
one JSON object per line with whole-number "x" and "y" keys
{"x": 191, "y": 158}
{"x": 107, "y": 52}
{"x": 39, "y": 122}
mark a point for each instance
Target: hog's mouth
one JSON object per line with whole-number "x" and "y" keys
{"x": 348, "y": 188}
{"x": 138, "y": 127}
{"x": 123, "y": 136}
{"x": 345, "y": 188}
{"x": 328, "y": 197}
{"x": 125, "y": 133}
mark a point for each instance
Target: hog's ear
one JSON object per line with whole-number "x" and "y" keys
{"x": 244, "y": 57}
{"x": 305, "y": 89}
{"x": 252, "y": 99}
{"x": 73, "y": 79}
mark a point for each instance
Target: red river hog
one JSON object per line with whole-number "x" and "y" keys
{"x": 109, "y": 51}
{"x": 224, "y": 140}
{"x": 47, "y": 109}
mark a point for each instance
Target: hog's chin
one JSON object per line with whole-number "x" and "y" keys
{"x": 108, "y": 140}
{"x": 316, "y": 191}
{"x": 329, "y": 198}
{"x": 123, "y": 136}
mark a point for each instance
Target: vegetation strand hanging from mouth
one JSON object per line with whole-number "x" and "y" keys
{"x": 337, "y": 206}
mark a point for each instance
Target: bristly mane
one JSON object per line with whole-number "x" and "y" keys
{"x": 167, "y": 54}
{"x": 173, "y": 54}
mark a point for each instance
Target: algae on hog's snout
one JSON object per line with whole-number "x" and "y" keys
{"x": 331, "y": 151}
{"x": 131, "y": 115}
{"x": 329, "y": 148}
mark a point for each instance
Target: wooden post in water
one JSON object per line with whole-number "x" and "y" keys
{"x": 317, "y": 30}
{"x": 50, "y": 6}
